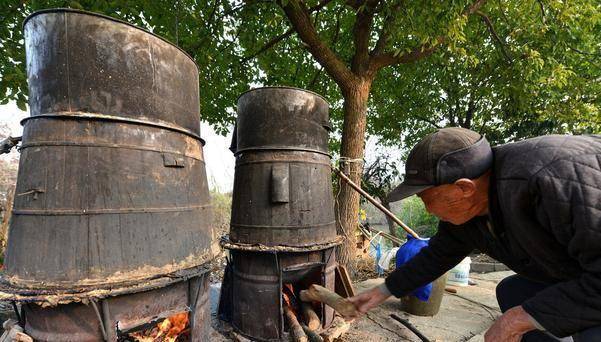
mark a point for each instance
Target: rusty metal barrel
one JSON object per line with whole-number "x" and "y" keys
{"x": 282, "y": 185}
{"x": 112, "y": 187}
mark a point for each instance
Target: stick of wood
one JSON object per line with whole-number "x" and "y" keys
{"x": 450, "y": 289}
{"x": 338, "y": 328}
{"x": 297, "y": 332}
{"x": 376, "y": 203}
{"x": 310, "y": 316}
{"x": 311, "y": 335}
{"x": 321, "y": 294}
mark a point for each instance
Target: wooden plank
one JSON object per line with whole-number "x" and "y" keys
{"x": 344, "y": 285}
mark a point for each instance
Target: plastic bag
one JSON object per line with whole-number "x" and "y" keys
{"x": 385, "y": 259}
{"x": 407, "y": 251}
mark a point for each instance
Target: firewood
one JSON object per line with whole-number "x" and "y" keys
{"x": 21, "y": 337}
{"x": 311, "y": 334}
{"x": 310, "y": 316}
{"x": 450, "y": 289}
{"x": 339, "y": 327}
{"x": 321, "y": 294}
{"x": 238, "y": 338}
{"x": 296, "y": 331}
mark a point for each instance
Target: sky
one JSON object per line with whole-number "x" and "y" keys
{"x": 218, "y": 158}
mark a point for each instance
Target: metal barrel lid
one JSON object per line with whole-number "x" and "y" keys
{"x": 281, "y": 118}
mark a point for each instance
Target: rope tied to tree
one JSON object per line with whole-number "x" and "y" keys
{"x": 345, "y": 164}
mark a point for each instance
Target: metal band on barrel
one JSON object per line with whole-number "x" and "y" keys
{"x": 280, "y": 148}
{"x": 98, "y": 116}
{"x": 77, "y": 212}
{"x": 106, "y": 145}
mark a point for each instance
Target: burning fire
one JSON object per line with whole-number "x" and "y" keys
{"x": 167, "y": 330}
{"x": 289, "y": 297}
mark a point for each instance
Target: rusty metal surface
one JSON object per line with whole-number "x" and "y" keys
{"x": 282, "y": 198}
{"x": 227, "y": 244}
{"x": 120, "y": 194}
{"x": 84, "y": 62}
{"x": 52, "y": 296}
{"x": 282, "y": 184}
{"x": 80, "y": 322}
{"x": 281, "y": 118}
{"x": 256, "y": 282}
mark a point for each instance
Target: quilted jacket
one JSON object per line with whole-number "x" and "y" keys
{"x": 544, "y": 223}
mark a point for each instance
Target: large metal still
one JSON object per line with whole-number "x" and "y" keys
{"x": 282, "y": 185}
{"x": 282, "y": 230}
{"x": 112, "y": 203}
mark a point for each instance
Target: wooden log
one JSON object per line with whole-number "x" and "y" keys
{"x": 321, "y": 294}
{"x": 296, "y": 330}
{"x": 311, "y": 334}
{"x": 339, "y": 327}
{"x": 310, "y": 316}
{"x": 238, "y": 338}
{"x": 22, "y": 337}
{"x": 450, "y": 289}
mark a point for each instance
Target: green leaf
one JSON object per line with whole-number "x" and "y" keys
{"x": 22, "y": 105}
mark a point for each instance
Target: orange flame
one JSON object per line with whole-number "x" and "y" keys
{"x": 288, "y": 296}
{"x": 168, "y": 330}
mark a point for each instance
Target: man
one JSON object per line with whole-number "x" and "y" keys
{"x": 534, "y": 205}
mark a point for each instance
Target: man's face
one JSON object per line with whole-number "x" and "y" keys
{"x": 448, "y": 202}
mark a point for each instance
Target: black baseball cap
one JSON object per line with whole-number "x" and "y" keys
{"x": 442, "y": 158}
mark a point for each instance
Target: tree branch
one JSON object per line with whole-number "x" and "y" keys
{"x": 298, "y": 14}
{"x": 385, "y": 30}
{"x": 361, "y": 35}
{"x": 269, "y": 45}
{"x": 382, "y": 60}
{"x": 385, "y": 59}
{"x": 332, "y": 43}
{"x": 495, "y": 36}
{"x": 275, "y": 40}
{"x": 426, "y": 120}
{"x": 584, "y": 52}
{"x": 542, "y": 11}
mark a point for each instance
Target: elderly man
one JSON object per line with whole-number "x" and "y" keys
{"x": 534, "y": 205}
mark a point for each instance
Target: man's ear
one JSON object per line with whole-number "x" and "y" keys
{"x": 467, "y": 186}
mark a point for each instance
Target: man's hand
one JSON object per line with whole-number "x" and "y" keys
{"x": 510, "y": 326}
{"x": 369, "y": 299}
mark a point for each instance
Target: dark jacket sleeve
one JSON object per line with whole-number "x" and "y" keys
{"x": 568, "y": 201}
{"x": 446, "y": 249}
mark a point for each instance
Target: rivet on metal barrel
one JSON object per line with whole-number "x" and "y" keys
{"x": 112, "y": 185}
{"x": 282, "y": 185}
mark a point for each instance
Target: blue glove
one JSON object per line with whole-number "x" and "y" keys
{"x": 407, "y": 251}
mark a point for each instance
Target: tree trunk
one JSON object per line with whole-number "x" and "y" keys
{"x": 351, "y": 163}
{"x": 391, "y": 224}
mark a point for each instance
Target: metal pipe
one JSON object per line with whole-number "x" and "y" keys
{"x": 100, "y": 320}
{"x": 376, "y": 203}
{"x": 410, "y": 327}
{"x": 110, "y": 331}
{"x": 18, "y": 314}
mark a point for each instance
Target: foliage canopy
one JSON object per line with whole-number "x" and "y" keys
{"x": 512, "y": 70}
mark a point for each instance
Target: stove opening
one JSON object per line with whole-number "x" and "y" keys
{"x": 174, "y": 328}
{"x": 301, "y": 318}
